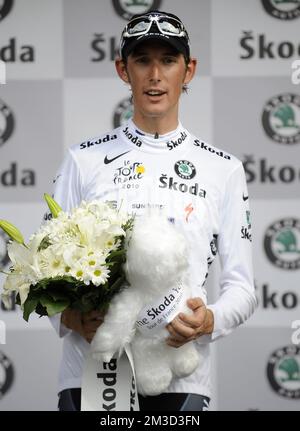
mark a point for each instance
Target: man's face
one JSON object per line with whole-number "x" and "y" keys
{"x": 156, "y": 73}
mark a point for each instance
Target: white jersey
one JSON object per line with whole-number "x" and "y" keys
{"x": 201, "y": 189}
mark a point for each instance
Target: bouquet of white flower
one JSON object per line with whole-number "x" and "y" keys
{"x": 74, "y": 260}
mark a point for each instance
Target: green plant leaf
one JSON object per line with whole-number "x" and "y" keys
{"x": 45, "y": 243}
{"x": 53, "y": 307}
{"x": 29, "y": 306}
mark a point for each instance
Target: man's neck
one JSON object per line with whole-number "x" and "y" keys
{"x": 155, "y": 126}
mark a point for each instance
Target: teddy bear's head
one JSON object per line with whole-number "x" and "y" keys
{"x": 157, "y": 254}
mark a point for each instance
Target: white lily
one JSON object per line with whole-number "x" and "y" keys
{"x": 19, "y": 255}
{"x": 16, "y": 283}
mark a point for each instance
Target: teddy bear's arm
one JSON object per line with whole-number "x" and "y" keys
{"x": 118, "y": 327}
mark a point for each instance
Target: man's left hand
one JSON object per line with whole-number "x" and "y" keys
{"x": 188, "y": 327}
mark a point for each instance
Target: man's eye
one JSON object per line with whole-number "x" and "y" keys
{"x": 169, "y": 60}
{"x": 142, "y": 60}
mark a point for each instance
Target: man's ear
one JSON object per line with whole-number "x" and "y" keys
{"x": 122, "y": 70}
{"x": 190, "y": 70}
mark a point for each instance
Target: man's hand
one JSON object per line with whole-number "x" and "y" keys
{"x": 85, "y": 324}
{"x": 185, "y": 328}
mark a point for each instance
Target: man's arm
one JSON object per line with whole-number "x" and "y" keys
{"x": 237, "y": 300}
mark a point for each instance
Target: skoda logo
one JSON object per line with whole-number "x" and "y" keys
{"x": 127, "y": 8}
{"x": 5, "y": 8}
{"x": 4, "y": 259}
{"x": 123, "y": 112}
{"x": 282, "y": 9}
{"x": 281, "y": 118}
{"x": 185, "y": 169}
{"x": 282, "y": 243}
{"x": 283, "y": 371}
{"x": 6, "y": 122}
{"x": 6, "y": 374}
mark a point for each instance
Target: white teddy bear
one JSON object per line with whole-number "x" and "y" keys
{"x": 156, "y": 269}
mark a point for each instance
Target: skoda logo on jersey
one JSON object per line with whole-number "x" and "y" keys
{"x": 281, "y": 118}
{"x": 5, "y": 8}
{"x": 127, "y": 8}
{"x": 6, "y": 374}
{"x": 185, "y": 169}
{"x": 282, "y": 9}
{"x": 123, "y": 112}
{"x": 6, "y": 122}
{"x": 4, "y": 258}
{"x": 283, "y": 371}
{"x": 282, "y": 243}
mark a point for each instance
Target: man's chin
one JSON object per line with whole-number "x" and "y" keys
{"x": 155, "y": 113}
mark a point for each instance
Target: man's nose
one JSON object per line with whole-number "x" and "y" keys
{"x": 155, "y": 74}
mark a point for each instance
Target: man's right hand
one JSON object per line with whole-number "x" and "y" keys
{"x": 85, "y": 324}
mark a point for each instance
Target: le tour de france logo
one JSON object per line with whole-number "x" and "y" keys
{"x": 6, "y": 122}
{"x": 5, "y": 8}
{"x": 282, "y": 9}
{"x": 6, "y": 374}
{"x": 123, "y": 112}
{"x": 282, "y": 243}
{"x": 127, "y": 8}
{"x": 281, "y": 118}
{"x": 283, "y": 371}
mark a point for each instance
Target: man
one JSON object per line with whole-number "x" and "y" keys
{"x": 152, "y": 161}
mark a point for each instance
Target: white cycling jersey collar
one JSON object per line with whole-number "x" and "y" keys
{"x": 174, "y": 140}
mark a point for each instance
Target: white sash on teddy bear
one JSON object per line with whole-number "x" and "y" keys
{"x": 155, "y": 317}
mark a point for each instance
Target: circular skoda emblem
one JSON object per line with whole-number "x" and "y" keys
{"x": 4, "y": 258}
{"x": 185, "y": 169}
{"x": 282, "y": 9}
{"x": 6, "y": 374}
{"x": 127, "y": 8}
{"x": 282, "y": 243}
{"x": 281, "y": 118}
{"x": 283, "y": 371}
{"x": 6, "y": 122}
{"x": 123, "y": 112}
{"x": 5, "y": 8}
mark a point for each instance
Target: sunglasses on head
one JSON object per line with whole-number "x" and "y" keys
{"x": 165, "y": 24}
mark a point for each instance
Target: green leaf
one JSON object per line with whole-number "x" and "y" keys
{"x": 117, "y": 284}
{"x": 57, "y": 296}
{"x": 45, "y": 243}
{"x": 29, "y": 306}
{"x": 40, "y": 310}
{"x": 116, "y": 253}
{"x": 53, "y": 307}
{"x": 59, "y": 282}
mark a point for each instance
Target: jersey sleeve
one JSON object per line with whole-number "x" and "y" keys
{"x": 237, "y": 299}
{"x": 68, "y": 193}
{"x": 68, "y": 186}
